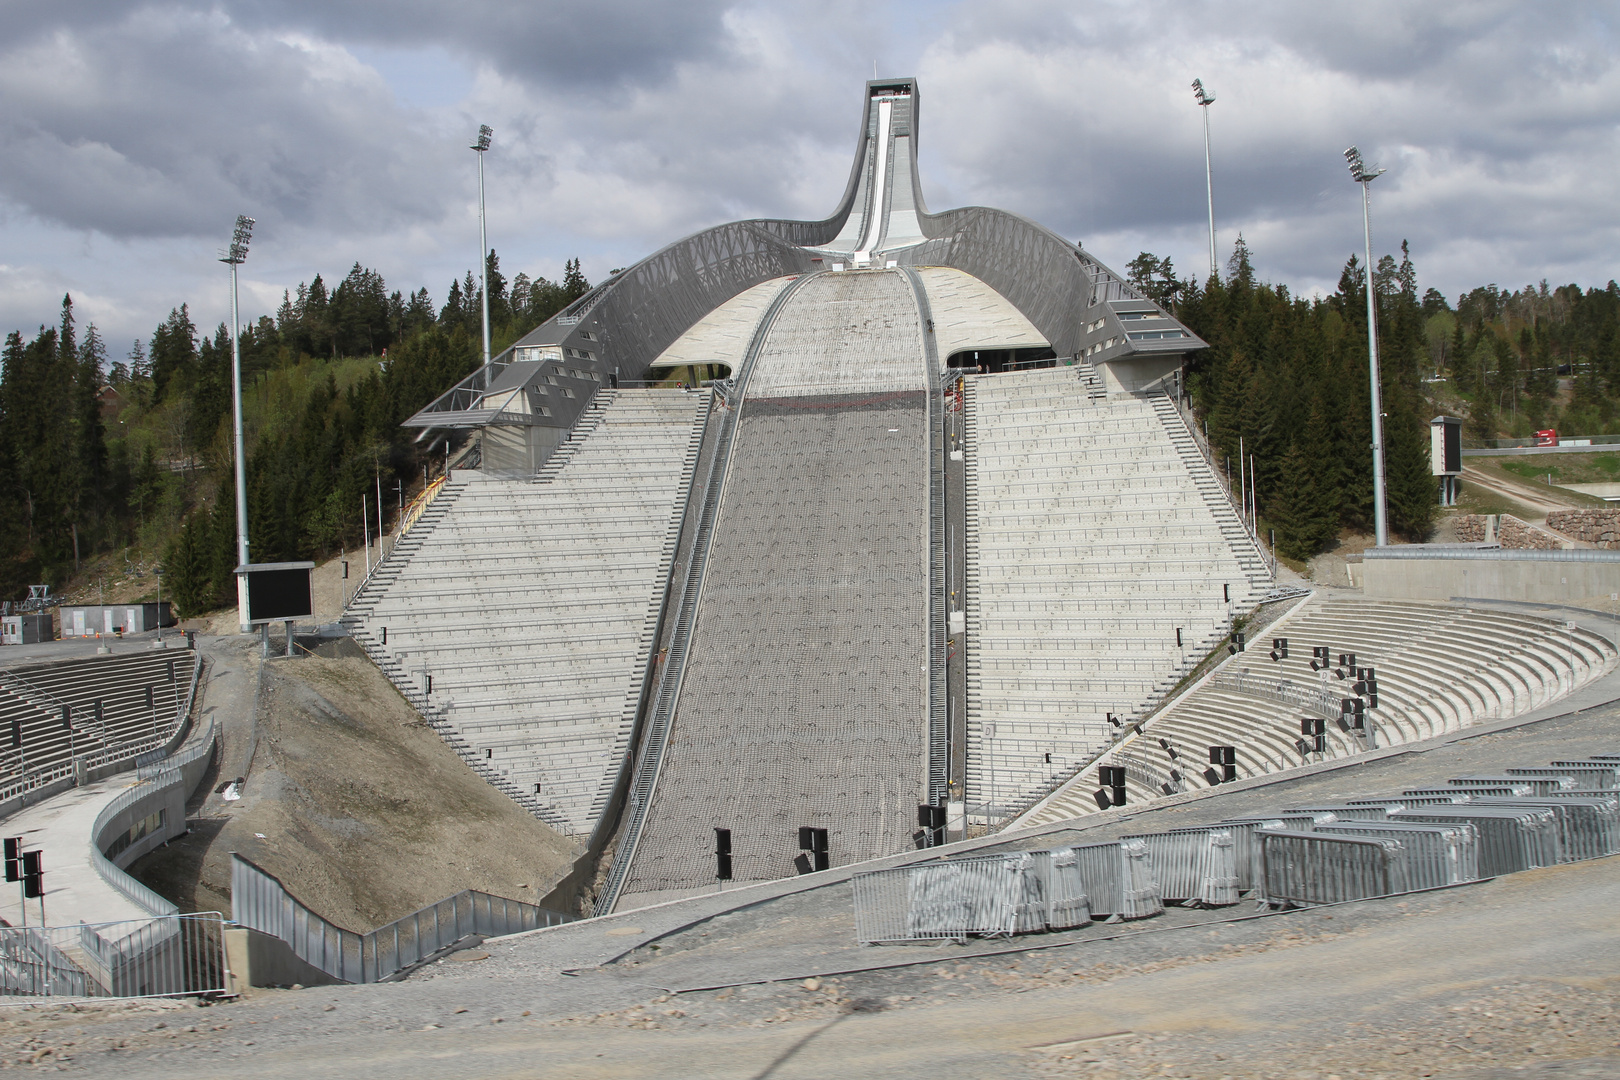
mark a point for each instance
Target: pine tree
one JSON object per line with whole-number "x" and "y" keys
{"x": 188, "y": 570}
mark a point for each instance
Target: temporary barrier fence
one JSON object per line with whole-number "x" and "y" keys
{"x": 1588, "y": 824}
{"x": 1197, "y": 865}
{"x": 1425, "y": 798}
{"x": 1432, "y": 855}
{"x": 1120, "y": 878}
{"x": 943, "y": 900}
{"x": 260, "y": 902}
{"x": 165, "y": 956}
{"x": 1345, "y": 811}
{"x": 1054, "y": 893}
{"x": 1589, "y": 775}
{"x": 1511, "y": 838}
{"x": 1522, "y": 782}
{"x": 981, "y": 896}
{"x": 1251, "y": 867}
{"x": 1328, "y": 868}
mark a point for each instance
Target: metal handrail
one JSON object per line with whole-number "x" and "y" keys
{"x": 1242, "y": 515}
{"x": 163, "y": 774}
{"x": 259, "y": 901}
{"x": 419, "y": 504}
{"x": 938, "y": 692}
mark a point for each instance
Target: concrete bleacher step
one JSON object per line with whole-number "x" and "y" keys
{"x": 530, "y": 605}
{"x": 1071, "y": 501}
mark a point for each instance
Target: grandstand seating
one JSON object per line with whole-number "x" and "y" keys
{"x": 805, "y": 698}
{"x": 1095, "y": 530}
{"x": 532, "y": 605}
{"x": 1439, "y": 668}
{"x": 121, "y": 706}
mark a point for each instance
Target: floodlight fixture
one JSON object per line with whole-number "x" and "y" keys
{"x": 237, "y": 254}
{"x": 481, "y": 145}
{"x": 1358, "y": 169}
{"x": 236, "y": 257}
{"x": 1205, "y": 98}
{"x": 1360, "y": 174}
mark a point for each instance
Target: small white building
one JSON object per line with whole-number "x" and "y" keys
{"x": 108, "y": 620}
{"x": 26, "y": 629}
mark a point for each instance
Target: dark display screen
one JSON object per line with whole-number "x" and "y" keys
{"x": 279, "y": 594}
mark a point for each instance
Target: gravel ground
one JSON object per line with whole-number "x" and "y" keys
{"x": 1516, "y": 977}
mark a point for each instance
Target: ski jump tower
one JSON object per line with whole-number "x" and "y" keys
{"x": 933, "y": 516}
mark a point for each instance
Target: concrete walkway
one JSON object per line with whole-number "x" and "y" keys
{"x": 61, "y": 826}
{"x": 74, "y": 891}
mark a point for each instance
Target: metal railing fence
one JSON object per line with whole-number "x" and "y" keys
{"x": 1322, "y": 868}
{"x": 1511, "y": 838}
{"x": 153, "y": 778}
{"x": 164, "y": 956}
{"x": 983, "y": 896}
{"x": 1433, "y": 855}
{"x": 1588, "y": 822}
{"x": 260, "y": 902}
{"x": 1195, "y": 865}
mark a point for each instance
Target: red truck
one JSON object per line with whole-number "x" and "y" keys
{"x": 1547, "y": 438}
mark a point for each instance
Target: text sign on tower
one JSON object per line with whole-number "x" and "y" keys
{"x": 278, "y": 591}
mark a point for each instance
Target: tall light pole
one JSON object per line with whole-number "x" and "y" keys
{"x": 484, "y": 132}
{"x": 1206, "y": 99}
{"x": 235, "y": 257}
{"x": 1359, "y": 173}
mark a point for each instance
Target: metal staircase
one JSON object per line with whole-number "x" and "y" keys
{"x": 1250, "y": 555}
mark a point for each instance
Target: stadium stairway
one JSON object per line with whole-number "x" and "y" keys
{"x": 519, "y": 616}
{"x": 1439, "y": 668}
{"x": 1103, "y": 561}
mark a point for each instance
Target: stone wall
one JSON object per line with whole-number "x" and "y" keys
{"x": 1472, "y": 528}
{"x": 1599, "y": 527}
{"x": 1507, "y": 530}
{"x": 1514, "y": 533}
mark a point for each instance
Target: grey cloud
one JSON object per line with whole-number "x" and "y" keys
{"x": 151, "y": 127}
{"x": 565, "y": 45}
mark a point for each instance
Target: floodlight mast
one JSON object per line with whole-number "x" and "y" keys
{"x": 1359, "y": 173}
{"x": 482, "y": 145}
{"x": 235, "y": 257}
{"x": 1205, "y": 99}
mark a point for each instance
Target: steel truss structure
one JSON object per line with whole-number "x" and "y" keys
{"x": 616, "y": 331}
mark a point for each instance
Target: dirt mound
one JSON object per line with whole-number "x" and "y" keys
{"x": 355, "y": 804}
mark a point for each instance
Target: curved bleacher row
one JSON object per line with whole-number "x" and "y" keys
{"x": 1439, "y": 668}
{"x": 521, "y": 616}
{"x": 97, "y": 710}
{"x": 1095, "y": 536}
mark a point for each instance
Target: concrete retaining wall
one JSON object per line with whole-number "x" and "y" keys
{"x": 1496, "y": 579}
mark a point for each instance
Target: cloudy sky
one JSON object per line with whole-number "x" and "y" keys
{"x": 133, "y": 133}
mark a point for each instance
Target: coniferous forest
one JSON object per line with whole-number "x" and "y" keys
{"x": 1286, "y": 379}
{"x": 127, "y": 451}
